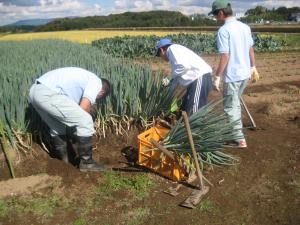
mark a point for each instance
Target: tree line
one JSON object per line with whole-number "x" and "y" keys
{"x": 280, "y": 14}
{"x": 127, "y": 19}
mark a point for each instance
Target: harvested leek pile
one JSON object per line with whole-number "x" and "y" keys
{"x": 210, "y": 130}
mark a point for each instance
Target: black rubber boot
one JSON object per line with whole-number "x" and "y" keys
{"x": 85, "y": 154}
{"x": 59, "y": 148}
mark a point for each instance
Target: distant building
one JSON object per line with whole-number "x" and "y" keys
{"x": 239, "y": 15}
{"x": 295, "y": 17}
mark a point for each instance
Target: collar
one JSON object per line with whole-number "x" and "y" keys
{"x": 230, "y": 19}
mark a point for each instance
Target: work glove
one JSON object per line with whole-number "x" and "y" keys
{"x": 254, "y": 74}
{"x": 216, "y": 82}
{"x": 165, "y": 82}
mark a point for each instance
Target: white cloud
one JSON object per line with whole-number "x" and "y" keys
{"x": 13, "y": 10}
{"x": 204, "y": 3}
{"x": 142, "y": 5}
{"x": 47, "y": 9}
{"x": 277, "y": 3}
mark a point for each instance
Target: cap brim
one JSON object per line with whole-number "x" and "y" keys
{"x": 211, "y": 13}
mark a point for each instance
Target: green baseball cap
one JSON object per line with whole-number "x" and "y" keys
{"x": 219, "y": 4}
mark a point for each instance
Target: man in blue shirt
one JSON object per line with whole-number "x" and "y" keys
{"x": 236, "y": 64}
{"x": 63, "y": 98}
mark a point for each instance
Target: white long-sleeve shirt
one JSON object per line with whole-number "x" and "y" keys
{"x": 186, "y": 65}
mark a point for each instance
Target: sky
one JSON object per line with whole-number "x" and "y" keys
{"x": 15, "y": 10}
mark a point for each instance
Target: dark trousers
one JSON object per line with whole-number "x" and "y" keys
{"x": 197, "y": 94}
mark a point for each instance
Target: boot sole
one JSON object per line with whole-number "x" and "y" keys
{"x": 91, "y": 170}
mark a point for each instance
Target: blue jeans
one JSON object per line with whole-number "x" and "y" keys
{"x": 232, "y": 107}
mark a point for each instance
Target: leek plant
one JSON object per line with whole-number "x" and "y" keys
{"x": 136, "y": 95}
{"x": 3, "y": 143}
{"x": 210, "y": 130}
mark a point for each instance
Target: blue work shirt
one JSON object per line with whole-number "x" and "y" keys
{"x": 234, "y": 38}
{"x": 74, "y": 82}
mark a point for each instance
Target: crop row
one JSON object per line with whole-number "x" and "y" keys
{"x": 22, "y": 62}
{"x": 144, "y": 46}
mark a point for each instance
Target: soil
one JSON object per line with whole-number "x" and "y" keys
{"x": 263, "y": 189}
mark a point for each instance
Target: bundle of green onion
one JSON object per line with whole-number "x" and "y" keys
{"x": 210, "y": 130}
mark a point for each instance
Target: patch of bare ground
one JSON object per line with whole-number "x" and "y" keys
{"x": 27, "y": 185}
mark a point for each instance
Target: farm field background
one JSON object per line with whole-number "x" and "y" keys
{"x": 82, "y": 36}
{"x": 263, "y": 189}
{"x": 87, "y": 36}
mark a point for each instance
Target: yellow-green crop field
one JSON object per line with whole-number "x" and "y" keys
{"x": 82, "y": 36}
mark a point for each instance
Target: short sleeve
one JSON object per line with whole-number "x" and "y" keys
{"x": 92, "y": 89}
{"x": 223, "y": 41}
{"x": 251, "y": 42}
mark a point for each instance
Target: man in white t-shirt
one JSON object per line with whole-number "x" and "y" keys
{"x": 63, "y": 98}
{"x": 189, "y": 71}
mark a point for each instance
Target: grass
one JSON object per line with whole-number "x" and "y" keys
{"x": 251, "y": 94}
{"x": 80, "y": 221}
{"x": 207, "y": 206}
{"x": 292, "y": 39}
{"x": 130, "y": 187}
{"x": 41, "y": 206}
{"x": 139, "y": 185}
{"x": 3, "y": 208}
{"x": 138, "y": 216}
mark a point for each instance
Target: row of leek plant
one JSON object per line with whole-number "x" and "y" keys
{"x": 136, "y": 94}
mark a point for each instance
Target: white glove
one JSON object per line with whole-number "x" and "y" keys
{"x": 254, "y": 74}
{"x": 165, "y": 82}
{"x": 216, "y": 82}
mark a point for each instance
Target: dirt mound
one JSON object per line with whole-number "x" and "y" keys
{"x": 27, "y": 185}
{"x": 274, "y": 109}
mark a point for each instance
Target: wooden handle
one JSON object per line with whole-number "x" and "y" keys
{"x": 162, "y": 148}
{"x": 248, "y": 112}
{"x": 166, "y": 151}
{"x": 191, "y": 141}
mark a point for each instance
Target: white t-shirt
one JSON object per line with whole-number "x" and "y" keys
{"x": 74, "y": 82}
{"x": 186, "y": 65}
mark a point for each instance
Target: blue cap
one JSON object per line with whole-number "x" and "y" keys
{"x": 162, "y": 43}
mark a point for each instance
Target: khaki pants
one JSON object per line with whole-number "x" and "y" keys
{"x": 60, "y": 112}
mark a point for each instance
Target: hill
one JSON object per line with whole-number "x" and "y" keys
{"x": 30, "y": 22}
{"x": 127, "y": 19}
